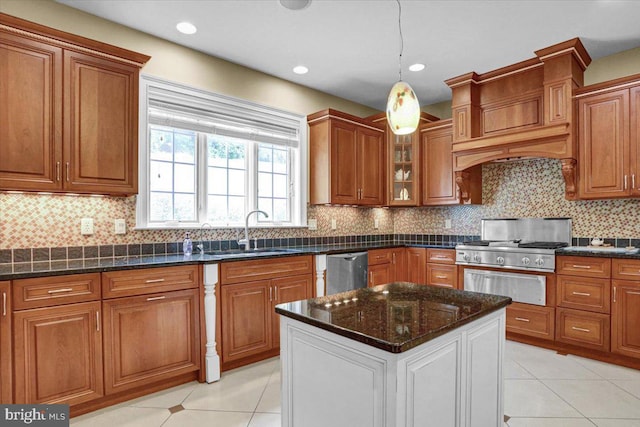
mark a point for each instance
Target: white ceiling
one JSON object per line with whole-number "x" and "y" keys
{"x": 351, "y": 46}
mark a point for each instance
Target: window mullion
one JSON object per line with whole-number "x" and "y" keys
{"x": 251, "y": 200}
{"x": 201, "y": 180}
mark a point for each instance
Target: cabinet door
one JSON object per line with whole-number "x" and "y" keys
{"x": 379, "y": 274}
{"x": 625, "y": 318}
{"x": 100, "y": 126}
{"x": 398, "y": 265}
{"x": 370, "y": 166}
{"x": 634, "y": 119}
{"x": 344, "y": 157}
{"x": 439, "y": 185}
{"x": 246, "y": 319}
{"x": 442, "y": 275}
{"x": 6, "y": 377}
{"x": 31, "y": 114}
{"x": 58, "y": 354}
{"x": 150, "y": 338}
{"x": 287, "y": 290}
{"x": 416, "y": 265}
{"x": 603, "y": 145}
{"x": 403, "y": 173}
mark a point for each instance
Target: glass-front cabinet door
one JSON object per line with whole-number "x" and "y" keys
{"x": 403, "y": 173}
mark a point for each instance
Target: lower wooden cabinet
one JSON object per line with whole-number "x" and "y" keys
{"x": 380, "y": 274}
{"x": 288, "y": 289}
{"x": 58, "y": 354}
{"x": 386, "y": 266}
{"x": 441, "y": 268}
{"x": 583, "y": 328}
{"x": 6, "y": 376}
{"x": 150, "y": 338}
{"x": 531, "y": 320}
{"x": 625, "y": 318}
{"x": 416, "y": 265}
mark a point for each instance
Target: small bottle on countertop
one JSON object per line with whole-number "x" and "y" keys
{"x": 187, "y": 246}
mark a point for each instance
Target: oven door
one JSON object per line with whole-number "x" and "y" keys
{"x": 525, "y": 288}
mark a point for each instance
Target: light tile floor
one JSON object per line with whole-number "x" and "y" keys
{"x": 542, "y": 389}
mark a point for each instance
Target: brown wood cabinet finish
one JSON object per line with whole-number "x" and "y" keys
{"x": 583, "y": 328}
{"x": 441, "y": 268}
{"x": 417, "y": 265}
{"x": 6, "y": 362}
{"x": 247, "y": 271}
{"x": 379, "y": 274}
{"x": 584, "y": 293}
{"x": 625, "y": 269}
{"x": 387, "y": 265}
{"x": 583, "y": 266}
{"x": 150, "y": 338}
{"x": 73, "y": 112}
{"x": 124, "y": 283}
{"x": 347, "y": 160}
{"x": 625, "y": 318}
{"x": 56, "y": 290}
{"x": 531, "y": 320}
{"x": 58, "y": 354}
{"x": 288, "y": 289}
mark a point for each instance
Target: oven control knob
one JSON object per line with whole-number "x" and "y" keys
{"x": 539, "y": 262}
{"x": 526, "y": 261}
{"x": 500, "y": 260}
{"x": 476, "y": 258}
{"x": 466, "y": 257}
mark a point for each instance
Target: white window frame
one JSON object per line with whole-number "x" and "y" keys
{"x": 234, "y": 107}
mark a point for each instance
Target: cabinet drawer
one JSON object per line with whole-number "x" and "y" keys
{"x": 532, "y": 320}
{"x": 584, "y": 293}
{"x": 584, "y": 266}
{"x": 628, "y": 269}
{"x": 442, "y": 275}
{"x": 441, "y": 256}
{"x": 55, "y": 290}
{"x": 583, "y": 328}
{"x": 126, "y": 283}
{"x": 379, "y": 256}
{"x": 247, "y": 271}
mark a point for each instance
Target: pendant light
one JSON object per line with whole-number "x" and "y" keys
{"x": 403, "y": 108}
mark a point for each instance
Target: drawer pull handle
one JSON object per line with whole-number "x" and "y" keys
{"x": 156, "y": 298}
{"x": 583, "y": 294}
{"x": 441, "y": 277}
{"x": 154, "y": 281}
{"x": 581, "y": 266}
{"x": 57, "y": 291}
{"x": 633, "y": 293}
{"x": 522, "y": 319}
{"x": 4, "y": 304}
{"x": 575, "y": 328}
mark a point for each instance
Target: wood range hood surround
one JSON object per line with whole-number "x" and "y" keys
{"x": 523, "y": 110}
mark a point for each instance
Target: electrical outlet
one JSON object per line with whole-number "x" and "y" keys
{"x": 447, "y": 223}
{"x": 119, "y": 226}
{"x": 334, "y": 224}
{"x": 312, "y": 224}
{"x": 86, "y": 226}
{"x": 376, "y": 223}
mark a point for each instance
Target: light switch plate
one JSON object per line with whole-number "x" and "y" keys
{"x": 376, "y": 223}
{"x": 334, "y": 224}
{"x": 447, "y": 223}
{"x": 86, "y": 226}
{"x": 312, "y": 224}
{"x": 119, "y": 226}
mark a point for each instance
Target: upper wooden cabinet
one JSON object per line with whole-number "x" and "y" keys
{"x": 346, "y": 160}
{"x": 608, "y": 139}
{"x": 438, "y": 176}
{"x": 72, "y": 112}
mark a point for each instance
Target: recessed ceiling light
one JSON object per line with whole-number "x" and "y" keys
{"x": 300, "y": 69}
{"x": 416, "y": 67}
{"x": 295, "y": 4}
{"x": 186, "y": 28}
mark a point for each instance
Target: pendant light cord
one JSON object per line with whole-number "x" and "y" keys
{"x": 401, "y": 40}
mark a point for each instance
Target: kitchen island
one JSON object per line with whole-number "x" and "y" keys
{"x": 394, "y": 355}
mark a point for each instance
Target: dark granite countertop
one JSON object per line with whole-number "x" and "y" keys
{"x": 91, "y": 265}
{"x": 586, "y": 251}
{"x": 394, "y": 317}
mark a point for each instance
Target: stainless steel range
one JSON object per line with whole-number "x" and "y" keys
{"x": 520, "y": 245}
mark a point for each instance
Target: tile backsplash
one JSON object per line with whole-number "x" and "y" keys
{"x": 525, "y": 188}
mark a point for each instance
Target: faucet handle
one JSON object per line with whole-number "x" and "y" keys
{"x": 200, "y": 247}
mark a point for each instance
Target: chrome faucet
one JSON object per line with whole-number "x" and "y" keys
{"x": 200, "y": 245}
{"x": 245, "y": 241}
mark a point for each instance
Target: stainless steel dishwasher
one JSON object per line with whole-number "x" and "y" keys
{"x": 346, "y": 272}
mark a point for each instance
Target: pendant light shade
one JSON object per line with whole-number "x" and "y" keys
{"x": 403, "y": 109}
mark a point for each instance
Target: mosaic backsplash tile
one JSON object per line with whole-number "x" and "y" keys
{"x": 527, "y": 188}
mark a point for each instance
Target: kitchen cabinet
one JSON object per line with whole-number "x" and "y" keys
{"x": 441, "y": 268}
{"x": 608, "y": 139}
{"x": 151, "y": 325}
{"x": 346, "y": 160}
{"x": 249, "y": 292}
{"x": 531, "y": 320}
{"x": 438, "y": 177}
{"x": 625, "y": 308}
{"x": 583, "y": 328}
{"x": 57, "y": 348}
{"x": 386, "y": 266}
{"x": 6, "y": 376}
{"x": 73, "y": 112}
{"x": 150, "y": 338}
{"x": 416, "y": 265}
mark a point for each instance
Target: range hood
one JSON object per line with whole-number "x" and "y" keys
{"x": 523, "y": 110}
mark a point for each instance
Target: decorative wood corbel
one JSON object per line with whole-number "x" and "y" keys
{"x": 463, "y": 181}
{"x": 569, "y": 174}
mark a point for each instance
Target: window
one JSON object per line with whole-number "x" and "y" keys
{"x": 205, "y": 158}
